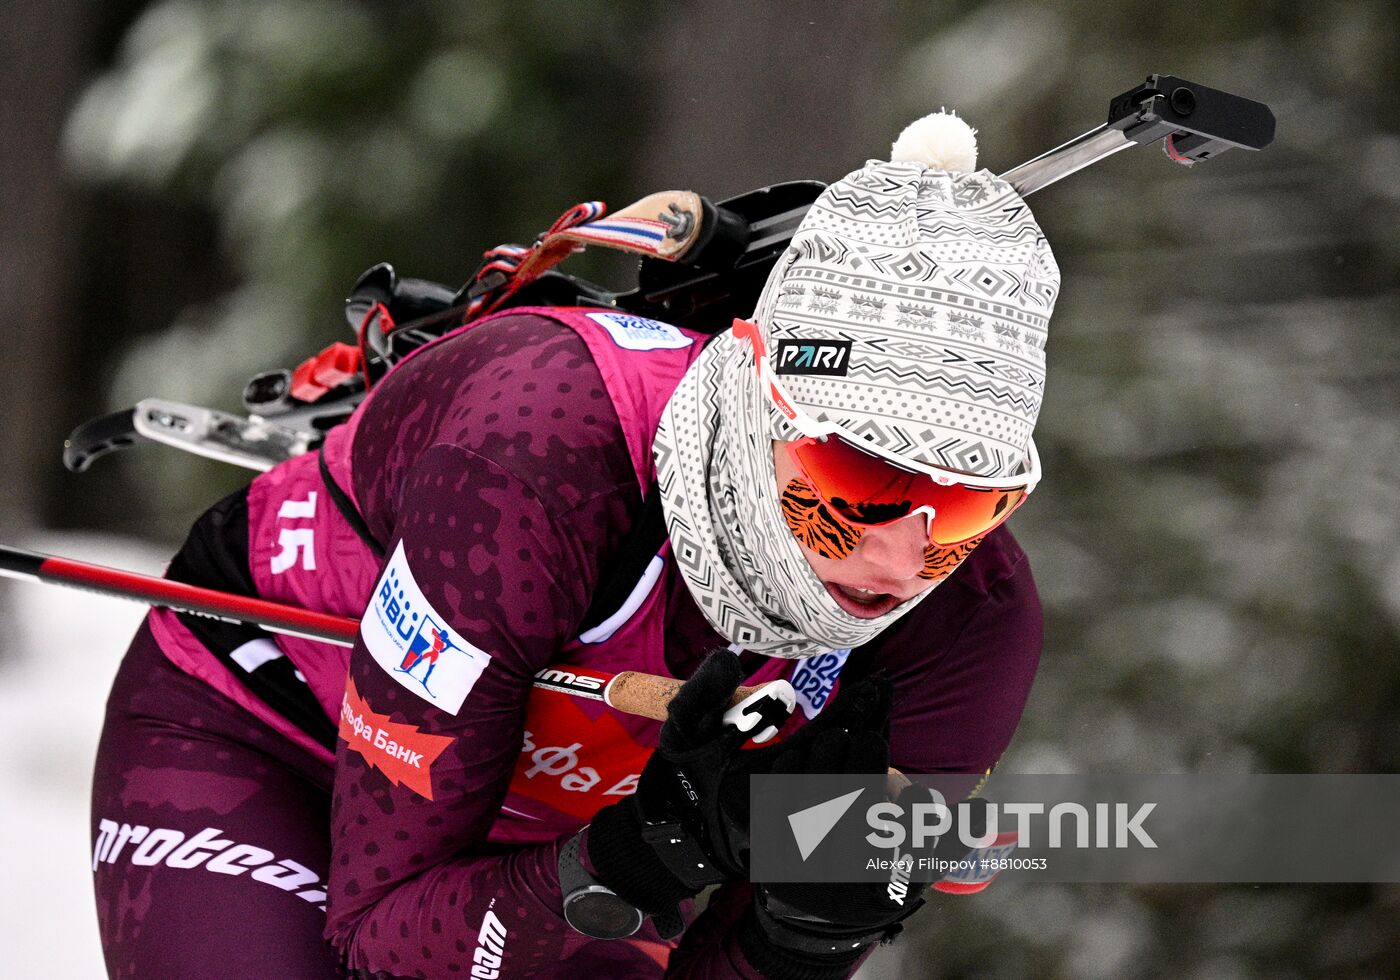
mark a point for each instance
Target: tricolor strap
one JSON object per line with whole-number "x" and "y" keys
{"x": 663, "y": 225}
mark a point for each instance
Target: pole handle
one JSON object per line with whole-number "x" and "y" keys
{"x": 648, "y": 695}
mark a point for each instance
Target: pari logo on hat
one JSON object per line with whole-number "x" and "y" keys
{"x": 823, "y": 357}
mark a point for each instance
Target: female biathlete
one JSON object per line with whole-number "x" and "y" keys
{"x": 833, "y": 475}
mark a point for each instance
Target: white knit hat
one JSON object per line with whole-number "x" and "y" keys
{"x": 939, "y": 284}
{"x": 911, "y": 308}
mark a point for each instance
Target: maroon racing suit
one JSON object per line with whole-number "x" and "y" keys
{"x": 494, "y": 477}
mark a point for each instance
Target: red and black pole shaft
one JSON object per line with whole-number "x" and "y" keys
{"x": 631, "y": 691}
{"x": 154, "y": 591}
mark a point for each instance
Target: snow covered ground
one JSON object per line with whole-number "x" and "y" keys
{"x": 62, "y": 650}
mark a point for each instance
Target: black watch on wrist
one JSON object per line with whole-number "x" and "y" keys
{"x": 591, "y": 907}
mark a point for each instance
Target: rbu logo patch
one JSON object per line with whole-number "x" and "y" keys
{"x": 412, "y": 642}
{"x": 830, "y": 358}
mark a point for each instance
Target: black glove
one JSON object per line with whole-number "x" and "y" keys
{"x": 694, "y": 737}
{"x": 803, "y": 931}
{"x": 687, "y": 824}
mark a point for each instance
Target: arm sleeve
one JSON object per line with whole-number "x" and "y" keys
{"x": 958, "y": 699}
{"x": 962, "y": 670}
{"x": 415, "y": 889}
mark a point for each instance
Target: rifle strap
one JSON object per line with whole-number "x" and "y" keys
{"x": 347, "y": 507}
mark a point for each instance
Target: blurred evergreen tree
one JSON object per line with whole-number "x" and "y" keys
{"x": 322, "y": 137}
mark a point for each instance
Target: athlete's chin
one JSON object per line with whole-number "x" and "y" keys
{"x": 863, "y": 606}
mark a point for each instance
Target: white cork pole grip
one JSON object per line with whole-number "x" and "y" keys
{"x": 649, "y": 694}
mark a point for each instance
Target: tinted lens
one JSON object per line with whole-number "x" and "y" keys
{"x": 965, "y": 512}
{"x": 866, "y": 489}
{"x": 856, "y": 484}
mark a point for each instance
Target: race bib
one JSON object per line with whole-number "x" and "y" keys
{"x": 639, "y": 333}
{"x": 814, "y": 678}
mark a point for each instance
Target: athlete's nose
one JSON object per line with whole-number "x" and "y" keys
{"x": 897, "y": 549}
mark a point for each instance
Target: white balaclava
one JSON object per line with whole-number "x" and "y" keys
{"x": 939, "y": 282}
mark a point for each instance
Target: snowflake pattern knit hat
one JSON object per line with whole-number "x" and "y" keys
{"x": 939, "y": 285}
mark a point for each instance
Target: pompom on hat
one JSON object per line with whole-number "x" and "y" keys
{"x": 938, "y": 141}
{"x": 941, "y": 280}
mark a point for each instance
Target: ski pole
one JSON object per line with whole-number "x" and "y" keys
{"x": 180, "y": 596}
{"x": 630, "y": 691}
